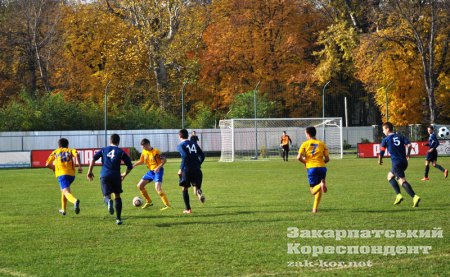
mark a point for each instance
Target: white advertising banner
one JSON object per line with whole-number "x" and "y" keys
{"x": 15, "y": 159}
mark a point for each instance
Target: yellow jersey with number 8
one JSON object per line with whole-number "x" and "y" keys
{"x": 62, "y": 159}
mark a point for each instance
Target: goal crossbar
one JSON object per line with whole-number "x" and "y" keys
{"x": 256, "y": 139}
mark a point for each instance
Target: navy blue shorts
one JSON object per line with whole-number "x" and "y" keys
{"x": 316, "y": 175}
{"x": 154, "y": 176}
{"x": 191, "y": 177}
{"x": 398, "y": 169}
{"x": 432, "y": 156}
{"x": 111, "y": 185}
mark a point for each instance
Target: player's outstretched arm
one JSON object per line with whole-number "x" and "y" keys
{"x": 408, "y": 151}
{"x": 78, "y": 163}
{"x": 138, "y": 163}
{"x": 90, "y": 175}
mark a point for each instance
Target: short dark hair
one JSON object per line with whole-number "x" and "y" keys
{"x": 145, "y": 141}
{"x": 63, "y": 142}
{"x": 389, "y": 126}
{"x": 311, "y": 131}
{"x": 115, "y": 139}
{"x": 431, "y": 127}
{"x": 183, "y": 133}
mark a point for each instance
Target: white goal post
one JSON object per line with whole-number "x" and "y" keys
{"x": 254, "y": 139}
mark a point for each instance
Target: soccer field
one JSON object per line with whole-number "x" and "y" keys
{"x": 241, "y": 230}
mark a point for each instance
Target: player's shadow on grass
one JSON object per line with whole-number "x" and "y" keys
{"x": 173, "y": 224}
{"x": 397, "y": 210}
{"x": 199, "y": 215}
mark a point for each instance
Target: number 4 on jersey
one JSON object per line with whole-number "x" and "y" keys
{"x": 111, "y": 154}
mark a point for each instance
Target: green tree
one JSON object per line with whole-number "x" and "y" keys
{"x": 243, "y": 106}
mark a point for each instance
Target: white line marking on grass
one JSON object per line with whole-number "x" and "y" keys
{"x": 13, "y": 273}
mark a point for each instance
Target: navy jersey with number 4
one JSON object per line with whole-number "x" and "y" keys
{"x": 191, "y": 155}
{"x": 395, "y": 144}
{"x": 112, "y": 157}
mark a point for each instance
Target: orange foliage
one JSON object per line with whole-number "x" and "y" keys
{"x": 251, "y": 41}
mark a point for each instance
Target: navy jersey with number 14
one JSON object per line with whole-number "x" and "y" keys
{"x": 191, "y": 155}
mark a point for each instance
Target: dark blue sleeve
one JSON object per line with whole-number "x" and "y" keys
{"x": 183, "y": 155}
{"x": 434, "y": 142}
{"x": 200, "y": 154}
{"x": 98, "y": 155}
{"x": 126, "y": 159}
{"x": 383, "y": 146}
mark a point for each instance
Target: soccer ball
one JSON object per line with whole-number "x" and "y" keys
{"x": 137, "y": 201}
{"x": 443, "y": 132}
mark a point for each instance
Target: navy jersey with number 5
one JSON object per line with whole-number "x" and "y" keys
{"x": 395, "y": 144}
{"x": 112, "y": 157}
{"x": 191, "y": 155}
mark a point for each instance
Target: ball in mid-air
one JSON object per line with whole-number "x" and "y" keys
{"x": 137, "y": 201}
{"x": 443, "y": 132}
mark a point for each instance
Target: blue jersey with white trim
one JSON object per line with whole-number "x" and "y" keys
{"x": 112, "y": 156}
{"x": 395, "y": 144}
{"x": 191, "y": 155}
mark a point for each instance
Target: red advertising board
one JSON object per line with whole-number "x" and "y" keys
{"x": 39, "y": 157}
{"x": 371, "y": 150}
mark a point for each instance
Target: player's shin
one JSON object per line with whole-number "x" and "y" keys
{"x": 186, "y": 199}
{"x": 315, "y": 189}
{"x": 70, "y": 197}
{"x": 394, "y": 185}
{"x": 408, "y": 188}
{"x": 438, "y": 166}
{"x": 317, "y": 198}
{"x": 427, "y": 169}
{"x": 63, "y": 201}
{"x": 144, "y": 194}
{"x": 164, "y": 198}
{"x": 118, "y": 207}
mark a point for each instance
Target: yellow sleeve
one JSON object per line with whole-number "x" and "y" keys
{"x": 302, "y": 151}
{"x": 142, "y": 158}
{"x": 50, "y": 159}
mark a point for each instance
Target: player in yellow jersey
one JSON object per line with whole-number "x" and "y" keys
{"x": 62, "y": 161}
{"x": 154, "y": 161}
{"x": 314, "y": 154}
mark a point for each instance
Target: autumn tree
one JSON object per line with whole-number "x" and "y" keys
{"x": 252, "y": 41}
{"x": 423, "y": 27}
{"x": 169, "y": 30}
{"x": 29, "y": 40}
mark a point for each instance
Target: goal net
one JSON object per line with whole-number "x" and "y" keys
{"x": 254, "y": 139}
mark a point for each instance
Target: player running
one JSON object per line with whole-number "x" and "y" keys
{"x": 62, "y": 161}
{"x": 395, "y": 144}
{"x": 110, "y": 177}
{"x": 314, "y": 154}
{"x": 154, "y": 161}
{"x": 190, "y": 172}
{"x": 432, "y": 154}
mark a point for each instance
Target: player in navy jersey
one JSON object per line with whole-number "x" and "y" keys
{"x": 110, "y": 177}
{"x": 190, "y": 172}
{"x": 395, "y": 144}
{"x": 432, "y": 154}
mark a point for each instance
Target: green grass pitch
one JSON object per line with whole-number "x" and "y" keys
{"x": 241, "y": 230}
